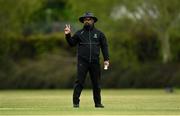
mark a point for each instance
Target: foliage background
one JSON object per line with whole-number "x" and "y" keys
{"x": 143, "y": 37}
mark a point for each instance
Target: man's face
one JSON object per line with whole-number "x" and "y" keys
{"x": 88, "y": 21}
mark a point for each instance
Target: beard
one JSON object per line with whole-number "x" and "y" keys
{"x": 88, "y": 26}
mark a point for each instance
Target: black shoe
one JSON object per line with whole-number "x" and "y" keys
{"x": 99, "y": 106}
{"x": 76, "y": 105}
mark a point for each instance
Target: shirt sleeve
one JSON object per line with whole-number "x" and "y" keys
{"x": 104, "y": 47}
{"x": 72, "y": 40}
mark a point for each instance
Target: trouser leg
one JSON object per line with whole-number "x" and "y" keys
{"x": 95, "y": 74}
{"x": 82, "y": 69}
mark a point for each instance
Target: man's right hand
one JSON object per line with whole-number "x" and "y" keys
{"x": 67, "y": 29}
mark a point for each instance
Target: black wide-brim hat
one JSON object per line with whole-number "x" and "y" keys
{"x": 88, "y": 15}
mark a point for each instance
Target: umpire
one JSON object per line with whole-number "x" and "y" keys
{"x": 89, "y": 41}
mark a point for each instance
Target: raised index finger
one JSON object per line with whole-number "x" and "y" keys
{"x": 69, "y": 26}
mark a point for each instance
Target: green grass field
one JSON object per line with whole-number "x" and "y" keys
{"x": 117, "y": 102}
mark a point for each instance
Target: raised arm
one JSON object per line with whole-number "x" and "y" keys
{"x": 72, "y": 40}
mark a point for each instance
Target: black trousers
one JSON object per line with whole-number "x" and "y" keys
{"x": 83, "y": 67}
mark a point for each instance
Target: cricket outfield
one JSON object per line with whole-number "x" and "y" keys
{"x": 116, "y": 101}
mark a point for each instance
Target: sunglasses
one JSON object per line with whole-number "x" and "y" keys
{"x": 87, "y": 19}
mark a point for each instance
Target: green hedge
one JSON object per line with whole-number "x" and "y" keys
{"x": 47, "y": 61}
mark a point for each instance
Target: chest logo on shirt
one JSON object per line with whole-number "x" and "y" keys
{"x": 95, "y": 35}
{"x": 82, "y": 32}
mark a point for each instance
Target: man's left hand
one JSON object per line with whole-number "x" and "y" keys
{"x": 106, "y": 64}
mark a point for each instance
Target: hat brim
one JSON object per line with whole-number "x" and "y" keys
{"x": 81, "y": 19}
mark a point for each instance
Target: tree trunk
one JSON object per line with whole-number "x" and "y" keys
{"x": 165, "y": 46}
